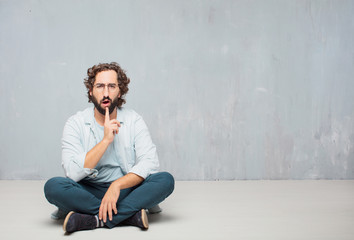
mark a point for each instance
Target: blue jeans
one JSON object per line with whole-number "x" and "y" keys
{"x": 85, "y": 197}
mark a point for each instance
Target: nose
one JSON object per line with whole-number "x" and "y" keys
{"x": 105, "y": 91}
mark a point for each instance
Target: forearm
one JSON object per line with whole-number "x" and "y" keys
{"x": 95, "y": 154}
{"x": 127, "y": 181}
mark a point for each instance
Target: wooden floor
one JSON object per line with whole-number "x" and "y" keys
{"x": 319, "y": 209}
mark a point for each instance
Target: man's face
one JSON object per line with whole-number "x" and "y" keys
{"x": 105, "y": 91}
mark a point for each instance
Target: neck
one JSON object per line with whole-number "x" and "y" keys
{"x": 100, "y": 117}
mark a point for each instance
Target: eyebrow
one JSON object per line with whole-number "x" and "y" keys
{"x": 105, "y": 84}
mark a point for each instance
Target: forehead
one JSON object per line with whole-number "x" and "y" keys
{"x": 108, "y": 76}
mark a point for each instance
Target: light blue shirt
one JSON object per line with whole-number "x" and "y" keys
{"x": 132, "y": 149}
{"x": 108, "y": 167}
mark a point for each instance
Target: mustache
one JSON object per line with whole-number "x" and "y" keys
{"x": 106, "y": 98}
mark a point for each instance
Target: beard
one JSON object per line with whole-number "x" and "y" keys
{"x": 101, "y": 110}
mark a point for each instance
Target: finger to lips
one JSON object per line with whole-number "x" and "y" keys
{"x": 107, "y": 115}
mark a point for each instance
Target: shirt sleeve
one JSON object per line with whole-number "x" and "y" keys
{"x": 145, "y": 150}
{"x": 73, "y": 153}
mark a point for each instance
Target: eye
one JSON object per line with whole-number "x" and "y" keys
{"x": 112, "y": 86}
{"x": 99, "y": 86}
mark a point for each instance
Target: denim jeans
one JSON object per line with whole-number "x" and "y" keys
{"x": 85, "y": 197}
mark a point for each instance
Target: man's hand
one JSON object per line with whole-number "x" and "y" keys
{"x": 109, "y": 203}
{"x": 111, "y": 127}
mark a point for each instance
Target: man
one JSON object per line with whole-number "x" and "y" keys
{"x": 110, "y": 162}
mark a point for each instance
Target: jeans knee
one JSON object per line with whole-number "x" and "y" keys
{"x": 168, "y": 180}
{"x": 51, "y": 187}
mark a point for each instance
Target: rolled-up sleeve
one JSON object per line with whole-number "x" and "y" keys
{"x": 145, "y": 150}
{"x": 73, "y": 152}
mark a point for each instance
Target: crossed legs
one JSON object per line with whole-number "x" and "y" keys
{"x": 85, "y": 197}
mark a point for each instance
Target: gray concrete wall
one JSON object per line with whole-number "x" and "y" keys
{"x": 229, "y": 89}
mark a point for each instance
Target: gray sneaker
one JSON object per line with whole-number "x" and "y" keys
{"x": 155, "y": 209}
{"x": 58, "y": 214}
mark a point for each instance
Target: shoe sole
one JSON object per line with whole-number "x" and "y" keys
{"x": 67, "y": 219}
{"x": 144, "y": 219}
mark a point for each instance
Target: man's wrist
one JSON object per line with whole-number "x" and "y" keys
{"x": 106, "y": 141}
{"x": 116, "y": 184}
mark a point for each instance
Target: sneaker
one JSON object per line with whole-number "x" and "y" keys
{"x": 77, "y": 222}
{"x": 139, "y": 219}
{"x": 58, "y": 214}
{"x": 155, "y": 209}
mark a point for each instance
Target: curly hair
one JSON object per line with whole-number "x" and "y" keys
{"x": 123, "y": 80}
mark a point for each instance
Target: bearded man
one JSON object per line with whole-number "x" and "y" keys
{"x": 110, "y": 162}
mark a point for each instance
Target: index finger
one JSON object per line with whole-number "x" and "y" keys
{"x": 107, "y": 115}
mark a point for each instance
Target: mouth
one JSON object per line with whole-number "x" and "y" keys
{"x": 106, "y": 102}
